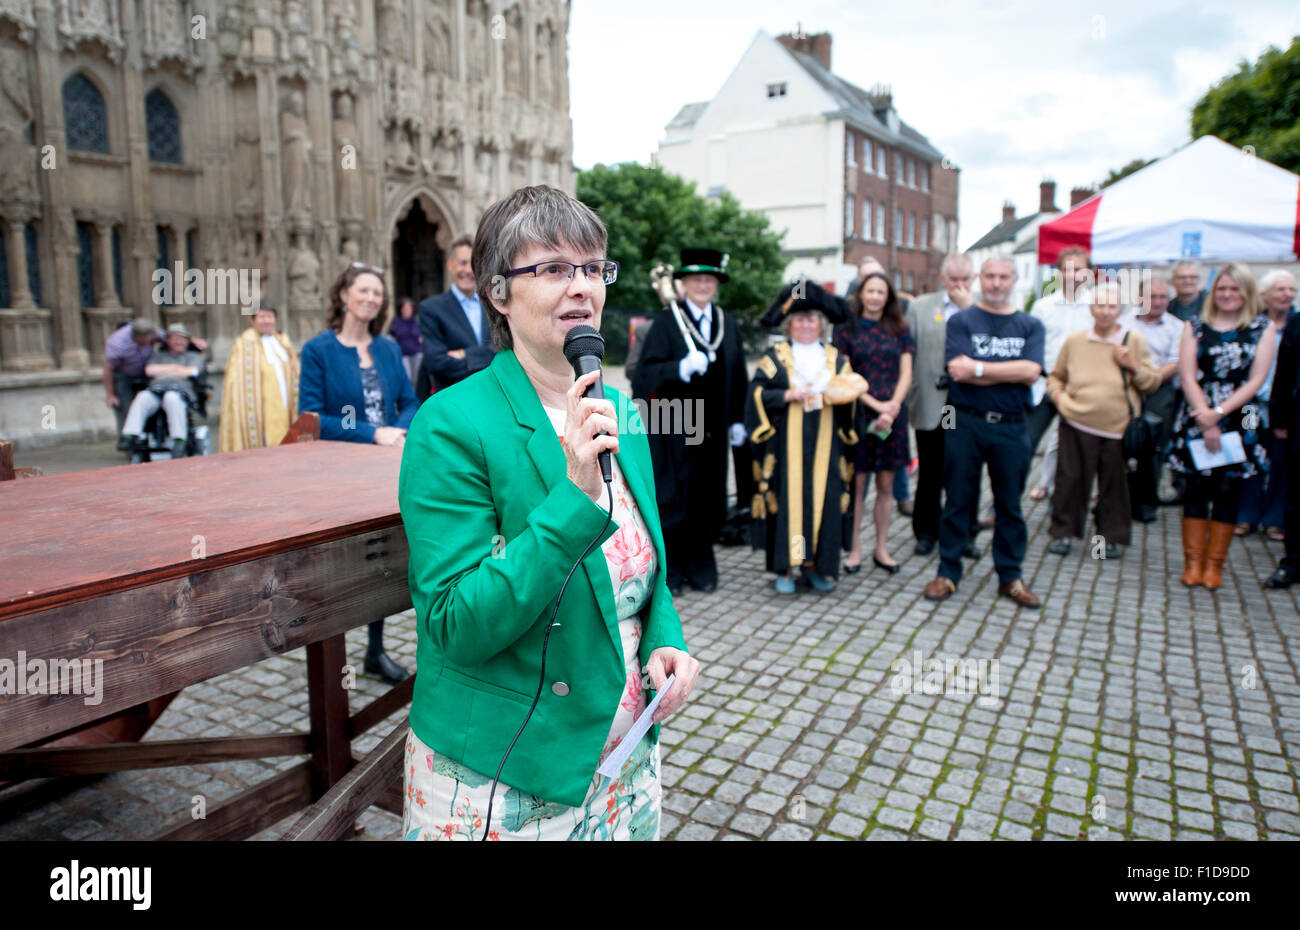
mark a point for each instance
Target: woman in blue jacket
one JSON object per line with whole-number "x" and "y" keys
{"x": 352, "y": 376}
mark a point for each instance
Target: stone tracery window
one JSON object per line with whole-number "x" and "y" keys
{"x": 85, "y": 115}
{"x": 33, "y": 264}
{"x": 117, "y": 263}
{"x": 86, "y": 264}
{"x": 163, "y": 127}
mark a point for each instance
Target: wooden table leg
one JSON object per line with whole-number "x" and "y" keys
{"x": 331, "y": 753}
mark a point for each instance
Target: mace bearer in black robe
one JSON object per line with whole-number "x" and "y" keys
{"x": 693, "y": 356}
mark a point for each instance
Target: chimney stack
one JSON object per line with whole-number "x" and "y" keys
{"x": 817, "y": 44}
{"x": 1047, "y": 196}
{"x": 1008, "y": 211}
{"x": 1079, "y": 194}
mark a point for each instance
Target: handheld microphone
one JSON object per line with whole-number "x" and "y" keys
{"x": 584, "y": 347}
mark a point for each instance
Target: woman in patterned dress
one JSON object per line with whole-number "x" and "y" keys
{"x": 502, "y": 497}
{"x": 878, "y": 345}
{"x": 1222, "y": 362}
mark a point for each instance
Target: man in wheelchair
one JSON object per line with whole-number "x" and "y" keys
{"x": 177, "y": 384}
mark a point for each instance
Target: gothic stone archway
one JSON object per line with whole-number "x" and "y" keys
{"x": 417, "y": 259}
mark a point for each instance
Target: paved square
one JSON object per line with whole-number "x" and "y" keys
{"x": 1127, "y": 707}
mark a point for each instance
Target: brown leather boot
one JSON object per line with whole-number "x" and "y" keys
{"x": 1195, "y": 531}
{"x": 1220, "y": 538}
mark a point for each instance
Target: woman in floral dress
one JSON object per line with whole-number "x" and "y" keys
{"x": 1223, "y": 361}
{"x": 879, "y": 346}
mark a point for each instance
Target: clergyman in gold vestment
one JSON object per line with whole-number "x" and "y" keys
{"x": 260, "y": 398}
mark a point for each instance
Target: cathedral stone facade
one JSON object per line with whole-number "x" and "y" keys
{"x": 242, "y": 141}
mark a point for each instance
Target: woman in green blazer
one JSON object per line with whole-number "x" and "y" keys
{"x": 500, "y": 494}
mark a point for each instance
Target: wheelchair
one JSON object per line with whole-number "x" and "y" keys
{"x": 156, "y": 445}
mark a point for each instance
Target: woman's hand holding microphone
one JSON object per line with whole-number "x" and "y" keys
{"x": 586, "y": 418}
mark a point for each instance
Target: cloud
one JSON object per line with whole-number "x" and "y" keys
{"x": 1151, "y": 46}
{"x": 978, "y": 145}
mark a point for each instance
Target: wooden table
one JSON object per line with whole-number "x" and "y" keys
{"x": 175, "y": 572}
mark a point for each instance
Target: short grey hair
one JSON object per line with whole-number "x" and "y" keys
{"x": 531, "y": 216}
{"x": 1003, "y": 257}
{"x": 1187, "y": 263}
{"x": 955, "y": 258}
{"x": 1274, "y": 276}
{"x": 1146, "y": 280}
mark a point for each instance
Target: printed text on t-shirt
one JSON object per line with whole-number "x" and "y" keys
{"x": 986, "y": 346}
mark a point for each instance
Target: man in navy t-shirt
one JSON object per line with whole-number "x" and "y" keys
{"x": 994, "y": 353}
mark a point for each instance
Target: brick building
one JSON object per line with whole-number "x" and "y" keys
{"x": 830, "y": 163}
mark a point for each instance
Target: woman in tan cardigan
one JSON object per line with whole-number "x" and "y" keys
{"x": 1087, "y": 387}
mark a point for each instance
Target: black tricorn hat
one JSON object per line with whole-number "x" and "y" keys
{"x": 804, "y": 296}
{"x": 703, "y": 261}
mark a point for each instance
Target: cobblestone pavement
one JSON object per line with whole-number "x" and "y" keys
{"x": 1128, "y": 707}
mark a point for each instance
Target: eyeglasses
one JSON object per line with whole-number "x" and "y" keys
{"x": 364, "y": 267}
{"x": 602, "y": 272}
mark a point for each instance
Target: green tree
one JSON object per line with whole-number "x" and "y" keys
{"x": 652, "y": 214}
{"x": 1117, "y": 174}
{"x": 1257, "y": 106}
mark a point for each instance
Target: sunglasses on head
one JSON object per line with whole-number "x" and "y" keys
{"x": 364, "y": 267}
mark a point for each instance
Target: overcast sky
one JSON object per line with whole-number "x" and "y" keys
{"x": 1013, "y": 91}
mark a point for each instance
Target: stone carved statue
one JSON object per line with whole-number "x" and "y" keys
{"x": 347, "y": 57}
{"x": 299, "y": 33}
{"x": 484, "y": 178}
{"x": 349, "y": 252}
{"x": 347, "y": 152}
{"x": 512, "y": 46}
{"x": 15, "y": 98}
{"x": 437, "y": 39}
{"x": 545, "y": 68}
{"x": 476, "y": 42}
{"x": 170, "y": 28}
{"x": 88, "y": 15}
{"x": 303, "y": 272}
{"x": 401, "y": 150}
{"x": 245, "y": 245}
{"x": 401, "y": 94}
{"x": 248, "y": 170}
{"x": 295, "y": 155}
{"x": 393, "y": 43}
{"x": 447, "y": 153}
{"x": 518, "y": 167}
{"x": 17, "y": 159}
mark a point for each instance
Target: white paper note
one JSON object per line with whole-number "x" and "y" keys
{"x": 1231, "y": 452}
{"x": 613, "y": 763}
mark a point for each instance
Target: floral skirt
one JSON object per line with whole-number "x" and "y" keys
{"x": 447, "y": 801}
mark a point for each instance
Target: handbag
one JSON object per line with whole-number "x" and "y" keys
{"x": 845, "y": 388}
{"x": 1142, "y": 431}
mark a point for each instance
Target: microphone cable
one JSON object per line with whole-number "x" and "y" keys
{"x": 541, "y": 680}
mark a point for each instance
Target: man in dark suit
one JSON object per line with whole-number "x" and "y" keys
{"x": 695, "y": 359}
{"x": 453, "y": 327}
{"x": 1284, "y": 410}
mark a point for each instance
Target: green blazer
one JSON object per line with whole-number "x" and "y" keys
{"x": 494, "y": 524}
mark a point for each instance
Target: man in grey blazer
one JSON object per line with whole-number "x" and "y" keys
{"x": 927, "y": 318}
